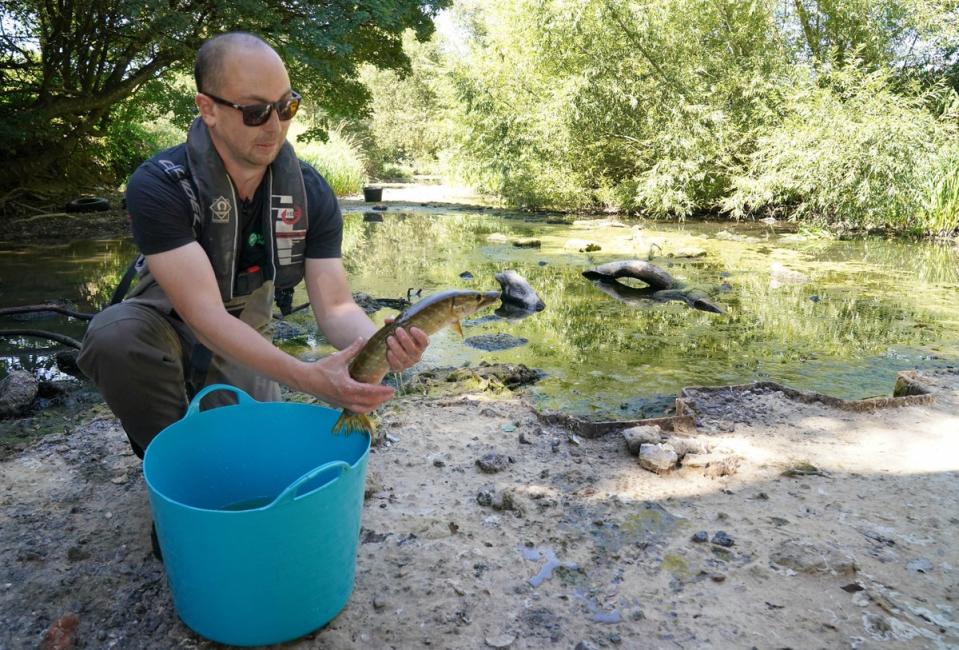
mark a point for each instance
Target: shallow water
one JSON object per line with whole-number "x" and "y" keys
{"x": 860, "y": 311}
{"x": 839, "y": 317}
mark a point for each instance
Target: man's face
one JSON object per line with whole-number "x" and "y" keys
{"x": 251, "y": 75}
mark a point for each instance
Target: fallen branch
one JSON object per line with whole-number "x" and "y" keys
{"x": 28, "y": 207}
{"x": 590, "y": 429}
{"x": 43, "y": 334}
{"x": 27, "y": 309}
{"x": 10, "y": 195}
{"x": 44, "y": 216}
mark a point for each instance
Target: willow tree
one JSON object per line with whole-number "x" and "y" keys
{"x": 673, "y": 107}
{"x": 66, "y": 67}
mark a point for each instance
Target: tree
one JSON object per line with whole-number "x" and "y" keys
{"x": 65, "y": 67}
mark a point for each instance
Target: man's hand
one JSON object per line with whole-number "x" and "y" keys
{"x": 405, "y": 347}
{"x": 330, "y": 379}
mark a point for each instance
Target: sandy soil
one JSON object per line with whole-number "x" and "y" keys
{"x": 839, "y": 527}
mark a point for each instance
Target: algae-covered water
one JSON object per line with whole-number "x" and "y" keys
{"x": 835, "y": 316}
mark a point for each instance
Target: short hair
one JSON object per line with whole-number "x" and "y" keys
{"x": 212, "y": 54}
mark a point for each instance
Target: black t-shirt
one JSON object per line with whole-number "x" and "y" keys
{"x": 162, "y": 219}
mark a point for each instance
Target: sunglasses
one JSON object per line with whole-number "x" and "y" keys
{"x": 257, "y": 114}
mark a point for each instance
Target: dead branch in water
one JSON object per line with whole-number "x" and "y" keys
{"x": 43, "y": 334}
{"x": 60, "y": 309}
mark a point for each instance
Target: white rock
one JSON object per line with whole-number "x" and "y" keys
{"x": 657, "y": 458}
{"x": 643, "y": 434}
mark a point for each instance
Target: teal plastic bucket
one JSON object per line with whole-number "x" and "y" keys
{"x": 257, "y": 509}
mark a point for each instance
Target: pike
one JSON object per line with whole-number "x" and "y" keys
{"x": 431, "y": 314}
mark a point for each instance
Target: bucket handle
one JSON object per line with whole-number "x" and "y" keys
{"x": 287, "y": 495}
{"x": 241, "y": 397}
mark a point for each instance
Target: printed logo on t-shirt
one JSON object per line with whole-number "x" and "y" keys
{"x": 221, "y": 209}
{"x": 289, "y": 228}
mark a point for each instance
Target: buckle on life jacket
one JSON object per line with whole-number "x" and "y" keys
{"x": 248, "y": 280}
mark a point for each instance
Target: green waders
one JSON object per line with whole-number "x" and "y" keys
{"x": 148, "y": 365}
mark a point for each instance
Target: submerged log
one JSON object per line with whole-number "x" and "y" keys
{"x": 647, "y": 295}
{"x": 638, "y": 269}
{"x": 516, "y": 291}
{"x": 693, "y": 297}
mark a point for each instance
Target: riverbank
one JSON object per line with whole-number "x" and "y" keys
{"x": 488, "y": 525}
{"x": 47, "y": 222}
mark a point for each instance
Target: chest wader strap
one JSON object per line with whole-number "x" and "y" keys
{"x": 200, "y": 358}
{"x": 121, "y": 291}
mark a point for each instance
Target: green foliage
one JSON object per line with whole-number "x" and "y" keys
{"x": 825, "y": 110}
{"x": 339, "y": 159}
{"x": 940, "y": 214}
{"x": 848, "y": 150}
{"x": 66, "y": 68}
{"x": 613, "y": 103}
{"x": 406, "y": 127}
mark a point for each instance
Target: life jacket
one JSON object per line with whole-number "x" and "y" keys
{"x": 213, "y": 202}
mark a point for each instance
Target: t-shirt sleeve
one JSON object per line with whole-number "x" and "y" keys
{"x": 324, "y": 237}
{"x": 160, "y": 214}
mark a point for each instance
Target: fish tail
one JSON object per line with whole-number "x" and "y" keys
{"x": 350, "y": 422}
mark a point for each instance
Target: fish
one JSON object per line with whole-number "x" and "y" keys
{"x": 431, "y": 314}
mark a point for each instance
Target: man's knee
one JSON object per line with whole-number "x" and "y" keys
{"x": 125, "y": 335}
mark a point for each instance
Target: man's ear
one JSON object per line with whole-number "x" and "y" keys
{"x": 205, "y": 105}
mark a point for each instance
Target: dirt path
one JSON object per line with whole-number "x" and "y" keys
{"x": 571, "y": 544}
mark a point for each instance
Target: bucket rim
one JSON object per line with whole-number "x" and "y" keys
{"x": 274, "y": 501}
{"x": 244, "y": 399}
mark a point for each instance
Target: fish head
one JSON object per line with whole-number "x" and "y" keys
{"x": 470, "y": 302}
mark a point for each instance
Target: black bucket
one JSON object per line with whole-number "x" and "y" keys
{"x": 372, "y": 194}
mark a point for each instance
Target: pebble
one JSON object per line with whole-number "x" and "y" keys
{"x": 722, "y": 539}
{"x": 922, "y": 565}
{"x": 637, "y": 436}
{"x": 500, "y": 640}
{"x": 683, "y": 446}
{"x": 657, "y": 458}
{"x": 811, "y": 558}
{"x": 60, "y": 635}
{"x": 700, "y": 537}
{"x": 17, "y": 392}
{"x": 492, "y": 462}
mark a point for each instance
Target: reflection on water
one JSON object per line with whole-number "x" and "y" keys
{"x": 81, "y": 275}
{"x": 848, "y": 317}
{"x": 840, "y": 317}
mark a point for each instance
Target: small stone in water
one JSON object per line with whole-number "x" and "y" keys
{"x": 701, "y": 537}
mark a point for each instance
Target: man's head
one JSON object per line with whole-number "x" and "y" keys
{"x": 240, "y": 69}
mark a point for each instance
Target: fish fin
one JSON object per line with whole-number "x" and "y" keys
{"x": 457, "y": 327}
{"x": 350, "y": 422}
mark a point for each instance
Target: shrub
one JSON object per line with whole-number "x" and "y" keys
{"x": 848, "y": 150}
{"x": 339, "y": 160}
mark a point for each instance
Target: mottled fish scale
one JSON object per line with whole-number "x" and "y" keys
{"x": 431, "y": 315}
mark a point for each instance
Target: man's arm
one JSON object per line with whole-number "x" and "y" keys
{"x": 342, "y": 320}
{"x": 187, "y": 278}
